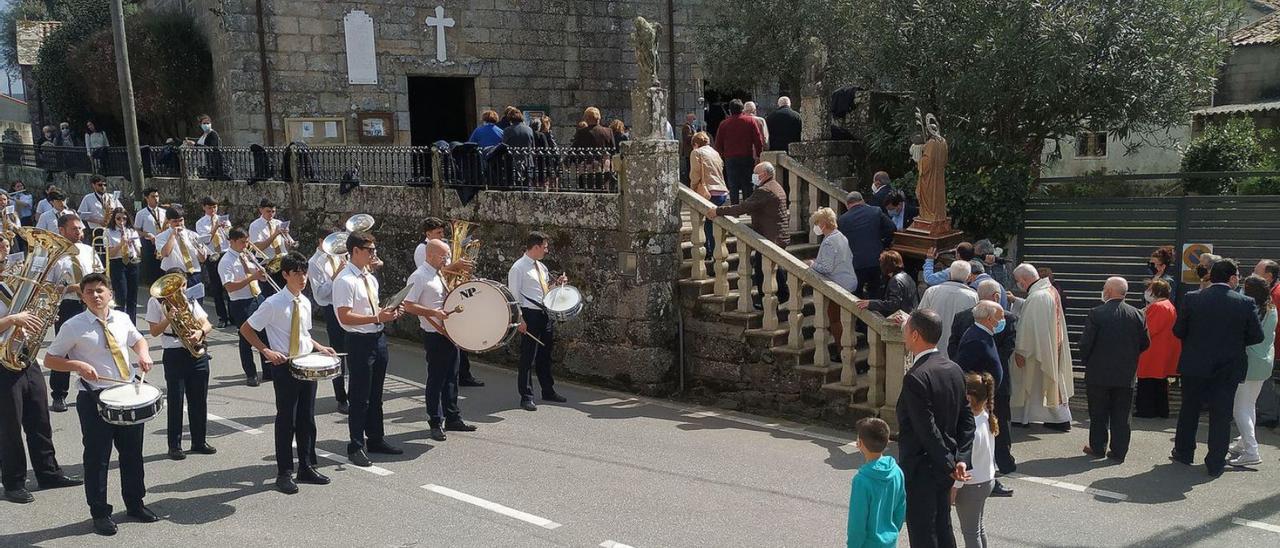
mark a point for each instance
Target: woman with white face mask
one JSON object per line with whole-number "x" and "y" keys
{"x": 835, "y": 263}
{"x": 209, "y": 163}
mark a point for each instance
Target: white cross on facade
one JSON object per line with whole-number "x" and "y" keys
{"x": 440, "y": 22}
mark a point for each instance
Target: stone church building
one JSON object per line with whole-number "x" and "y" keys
{"x": 415, "y": 71}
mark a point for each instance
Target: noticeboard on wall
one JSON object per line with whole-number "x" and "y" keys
{"x": 319, "y": 131}
{"x": 376, "y": 128}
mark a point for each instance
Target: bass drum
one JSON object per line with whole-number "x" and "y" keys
{"x": 489, "y": 317}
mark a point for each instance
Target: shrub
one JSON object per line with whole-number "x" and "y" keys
{"x": 1233, "y": 146}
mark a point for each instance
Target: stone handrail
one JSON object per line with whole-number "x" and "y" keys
{"x": 884, "y": 337}
{"x": 804, "y": 182}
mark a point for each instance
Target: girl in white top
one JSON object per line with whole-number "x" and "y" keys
{"x": 970, "y": 497}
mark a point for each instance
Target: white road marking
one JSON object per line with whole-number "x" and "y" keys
{"x": 1070, "y": 486}
{"x": 701, "y": 414}
{"x": 377, "y": 470}
{"x": 233, "y": 424}
{"x": 492, "y": 506}
{"x": 609, "y": 401}
{"x": 614, "y": 544}
{"x": 1256, "y": 525}
{"x": 850, "y": 448}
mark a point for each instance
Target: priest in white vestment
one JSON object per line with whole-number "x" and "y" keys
{"x": 1042, "y": 382}
{"x": 950, "y": 297}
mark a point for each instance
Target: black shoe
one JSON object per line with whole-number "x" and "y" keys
{"x": 1001, "y": 491}
{"x": 1179, "y": 459}
{"x": 20, "y": 495}
{"x": 833, "y": 352}
{"x": 359, "y": 458}
{"x": 310, "y": 475}
{"x": 554, "y": 397}
{"x": 385, "y": 448}
{"x": 285, "y": 484}
{"x": 437, "y": 434}
{"x": 1059, "y": 426}
{"x": 459, "y": 426}
{"x": 472, "y": 382}
{"x": 58, "y": 481}
{"x": 176, "y": 454}
{"x": 59, "y": 405}
{"x": 344, "y": 408}
{"x": 143, "y": 514}
{"x": 528, "y": 405}
{"x": 266, "y": 378}
{"x": 222, "y": 323}
{"x": 1113, "y": 456}
{"x": 204, "y": 449}
{"x": 252, "y": 381}
{"x": 104, "y": 526}
{"x": 1216, "y": 472}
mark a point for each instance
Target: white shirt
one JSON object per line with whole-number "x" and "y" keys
{"x": 113, "y": 240}
{"x": 149, "y": 221}
{"x": 349, "y": 292}
{"x": 948, "y": 299}
{"x": 49, "y": 219}
{"x": 91, "y": 207}
{"x": 174, "y": 258}
{"x": 260, "y": 230}
{"x": 81, "y": 338}
{"x": 231, "y": 269}
{"x": 204, "y": 228}
{"x": 428, "y": 291}
{"x": 420, "y": 256}
{"x": 525, "y": 280}
{"x": 155, "y": 314}
{"x": 984, "y": 452}
{"x": 320, "y": 277}
{"x": 63, "y": 269}
{"x": 275, "y": 315}
{"x": 43, "y": 206}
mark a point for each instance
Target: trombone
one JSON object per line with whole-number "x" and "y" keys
{"x": 253, "y": 253}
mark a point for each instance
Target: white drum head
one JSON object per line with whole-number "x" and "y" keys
{"x": 128, "y": 396}
{"x": 315, "y": 361}
{"x": 485, "y": 318}
{"x": 562, "y": 299}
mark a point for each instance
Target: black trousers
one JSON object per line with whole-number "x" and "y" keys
{"x": 367, "y": 367}
{"x": 240, "y": 312}
{"x": 124, "y": 283}
{"x": 442, "y": 378}
{"x": 1152, "y": 399}
{"x": 737, "y": 175}
{"x": 929, "y": 511}
{"x": 534, "y": 356}
{"x": 1219, "y": 394}
{"x": 24, "y": 407}
{"x": 1109, "y": 415}
{"x": 186, "y": 377}
{"x": 757, "y": 280}
{"x": 214, "y": 290}
{"x": 1005, "y": 462}
{"x": 869, "y": 282}
{"x": 338, "y": 340}
{"x": 98, "y": 437}
{"x": 150, "y": 264}
{"x": 464, "y": 367}
{"x": 60, "y": 381}
{"x": 295, "y": 421}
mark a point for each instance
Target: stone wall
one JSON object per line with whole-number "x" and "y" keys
{"x": 1252, "y": 74}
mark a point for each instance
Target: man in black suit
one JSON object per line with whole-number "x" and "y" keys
{"x": 880, "y": 189}
{"x": 899, "y": 210}
{"x": 936, "y": 432}
{"x": 989, "y": 290}
{"x": 869, "y": 232}
{"x": 784, "y": 125}
{"x": 1115, "y": 334}
{"x": 976, "y": 351}
{"x": 1215, "y": 324}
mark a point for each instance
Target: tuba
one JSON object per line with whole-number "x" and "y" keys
{"x": 171, "y": 291}
{"x": 462, "y": 247}
{"x": 33, "y": 294}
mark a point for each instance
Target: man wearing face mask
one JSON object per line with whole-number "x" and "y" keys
{"x": 769, "y": 216}
{"x": 1115, "y": 334}
{"x": 65, "y": 139}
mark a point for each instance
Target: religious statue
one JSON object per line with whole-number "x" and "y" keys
{"x": 815, "y": 64}
{"x": 931, "y": 156}
{"x": 646, "y": 42}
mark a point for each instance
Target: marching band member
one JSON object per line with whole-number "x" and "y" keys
{"x": 24, "y": 406}
{"x": 270, "y": 236}
{"x": 355, "y": 301}
{"x": 527, "y": 279}
{"x": 124, "y": 248}
{"x": 71, "y": 269}
{"x": 95, "y": 344}
{"x": 184, "y": 374}
{"x": 426, "y": 300}
{"x": 242, "y": 277}
{"x": 95, "y": 206}
{"x": 57, "y": 208}
{"x": 149, "y": 222}
{"x": 178, "y": 247}
{"x": 321, "y": 270}
{"x": 433, "y": 229}
{"x": 286, "y": 318}
{"x": 214, "y": 228}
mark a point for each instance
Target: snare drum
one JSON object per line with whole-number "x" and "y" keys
{"x": 130, "y": 404}
{"x": 489, "y": 317}
{"x": 563, "y": 303}
{"x": 315, "y": 367}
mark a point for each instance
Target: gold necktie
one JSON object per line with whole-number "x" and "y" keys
{"x": 117, "y": 355}
{"x": 537, "y": 267}
{"x": 186, "y": 252}
{"x": 253, "y": 285}
{"x": 77, "y": 270}
{"x": 295, "y": 328}
{"x": 216, "y": 240}
{"x": 279, "y": 245}
{"x": 373, "y": 295}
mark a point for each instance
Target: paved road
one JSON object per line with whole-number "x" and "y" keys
{"x": 610, "y": 469}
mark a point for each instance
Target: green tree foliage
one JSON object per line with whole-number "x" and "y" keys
{"x": 1237, "y": 145}
{"x": 59, "y": 84}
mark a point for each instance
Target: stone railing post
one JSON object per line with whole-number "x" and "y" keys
{"x": 795, "y": 314}
{"x": 698, "y": 239}
{"x": 895, "y": 359}
{"x": 847, "y": 347}
{"x": 876, "y": 360}
{"x": 770, "y": 288}
{"x": 744, "y": 277}
{"x": 721, "y": 287}
{"x": 821, "y": 331}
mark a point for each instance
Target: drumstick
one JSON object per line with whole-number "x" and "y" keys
{"x": 117, "y": 381}
{"x": 535, "y": 339}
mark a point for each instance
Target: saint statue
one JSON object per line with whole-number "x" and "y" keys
{"x": 646, "y": 42}
{"x": 931, "y": 157}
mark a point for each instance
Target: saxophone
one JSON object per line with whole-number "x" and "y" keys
{"x": 34, "y": 294}
{"x": 461, "y": 248}
{"x": 171, "y": 291}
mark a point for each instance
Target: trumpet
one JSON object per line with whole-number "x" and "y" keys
{"x": 100, "y": 241}
{"x": 253, "y": 253}
{"x": 171, "y": 291}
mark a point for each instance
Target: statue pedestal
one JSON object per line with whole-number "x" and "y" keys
{"x": 923, "y": 234}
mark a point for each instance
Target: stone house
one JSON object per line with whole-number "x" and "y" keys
{"x": 1249, "y": 83}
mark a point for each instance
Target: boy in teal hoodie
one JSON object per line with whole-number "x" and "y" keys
{"x": 878, "y": 499}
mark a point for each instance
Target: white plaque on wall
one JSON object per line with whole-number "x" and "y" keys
{"x": 362, "y": 61}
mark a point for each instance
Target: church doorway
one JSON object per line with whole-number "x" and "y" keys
{"x": 441, "y": 109}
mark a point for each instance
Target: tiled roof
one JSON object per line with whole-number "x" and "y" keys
{"x": 1263, "y": 31}
{"x": 1238, "y": 108}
